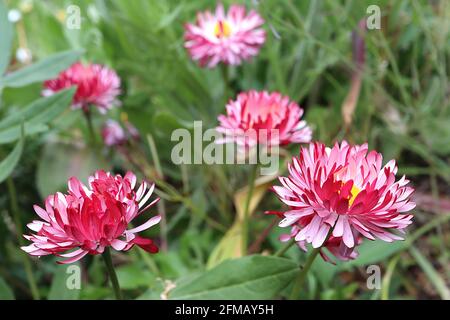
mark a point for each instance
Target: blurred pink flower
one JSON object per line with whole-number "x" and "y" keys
{"x": 90, "y": 218}
{"x": 113, "y": 133}
{"x": 347, "y": 188}
{"x": 228, "y": 38}
{"x": 263, "y": 113}
{"x": 96, "y": 85}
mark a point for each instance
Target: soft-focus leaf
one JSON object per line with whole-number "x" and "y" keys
{"x": 13, "y": 133}
{"x": 67, "y": 160}
{"x": 251, "y": 277}
{"x": 134, "y": 276}
{"x": 165, "y": 123}
{"x": 44, "y": 69}
{"x": 434, "y": 131}
{"x": 324, "y": 271}
{"x": 436, "y": 280}
{"x": 5, "y": 38}
{"x": 62, "y": 286}
{"x": 41, "y": 111}
{"x": 371, "y": 252}
{"x": 9, "y": 163}
{"x": 5, "y": 291}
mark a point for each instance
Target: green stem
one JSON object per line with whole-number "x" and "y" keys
{"x": 19, "y": 229}
{"x": 301, "y": 276}
{"x": 285, "y": 248}
{"x": 161, "y": 205}
{"x": 226, "y": 81}
{"x": 88, "y": 116}
{"x": 112, "y": 274}
{"x": 298, "y": 283}
{"x": 245, "y": 222}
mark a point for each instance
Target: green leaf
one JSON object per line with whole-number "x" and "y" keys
{"x": 135, "y": 275}
{"x": 37, "y": 114}
{"x": 371, "y": 252}
{"x": 251, "y": 277}
{"x": 436, "y": 280}
{"x": 10, "y": 162}
{"x": 432, "y": 130}
{"x": 5, "y": 39}
{"x": 5, "y": 291}
{"x": 68, "y": 160}
{"x": 165, "y": 123}
{"x": 40, "y": 111}
{"x": 13, "y": 133}
{"x": 60, "y": 290}
{"x": 42, "y": 70}
{"x": 324, "y": 271}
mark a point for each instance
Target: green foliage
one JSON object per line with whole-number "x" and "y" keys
{"x": 59, "y": 289}
{"x": 8, "y": 164}
{"x": 7, "y": 37}
{"x": 42, "y": 70}
{"x": 403, "y": 111}
{"x": 5, "y": 291}
{"x": 252, "y": 277}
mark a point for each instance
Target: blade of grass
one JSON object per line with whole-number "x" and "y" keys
{"x": 431, "y": 273}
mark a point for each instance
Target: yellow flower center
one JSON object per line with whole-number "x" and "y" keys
{"x": 222, "y": 29}
{"x": 354, "y": 192}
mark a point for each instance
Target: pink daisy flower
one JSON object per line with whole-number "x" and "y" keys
{"x": 263, "y": 118}
{"x": 347, "y": 190}
{"x": 228, "y": 38}
{"x": 90, "y": 218}
{"x": 96, "y": 85}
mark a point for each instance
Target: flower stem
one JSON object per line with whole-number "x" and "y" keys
{"x": 88, "y": 116}
{"x": 226, "y": 81}
{"x": 298, "y": 283}
{"x": 112, "y": 274}
{"x": 285, "y": 248}
{"x": 301, "y": 276}
{"x": 19, "y": 229}
{"x": 245, "y": 222}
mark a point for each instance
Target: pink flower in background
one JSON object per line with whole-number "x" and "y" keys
{"x": 263, "y": 112}
{"x": 345, "y": 188}
{"x": 113, "y": 134}
{"x": 96, "y": 85}
{"x": 90, "y": 218}
{"x": 228, "y": 38}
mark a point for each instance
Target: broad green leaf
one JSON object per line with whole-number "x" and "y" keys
{"x": 13, "y": 133}
{"x": 371, "y": 252}
{"x": 68, "y": 160}
{"x": 10, "y": 162}
{"x": 6, "y": 37}
{"x": 5, "y": 291}
{"x": 42, "y": 70}
{"x": 64, "y": 282}
{"x": 40, "y": 111}
{"x": 135, "y": 275}
{"x": 324, "y": 271}
{"x": 36, "y": 114}
{"x": 251, "y": 277}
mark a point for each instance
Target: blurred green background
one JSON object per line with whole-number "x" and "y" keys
{"x": 398, "y": 97}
